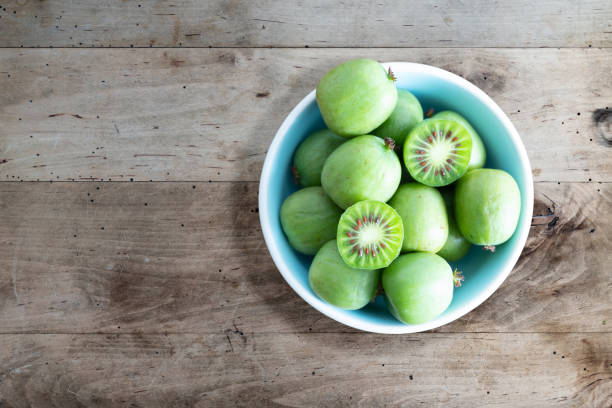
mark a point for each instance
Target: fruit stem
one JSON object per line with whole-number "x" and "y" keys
{"x": 390, "y": 143}
{"x": 296, "y": 174}
{"x": 457, "y": 277}
{"x": 391, "y": 76}
{"x": 379, "y": 291}
{"x": 429, "y": 113}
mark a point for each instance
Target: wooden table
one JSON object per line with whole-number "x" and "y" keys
{"x": 133, "y": 271}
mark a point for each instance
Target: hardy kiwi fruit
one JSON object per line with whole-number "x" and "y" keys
{"x": 370, "y": 235}
{"x": 437, "y": 152}
{"x": 363, "y": 168}
{"x": 339, "y": 284}
{"x": 311, "y": 154}
{"x": 309, "y": 219}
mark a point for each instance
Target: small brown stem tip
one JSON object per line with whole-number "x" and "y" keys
{"x": 429, "y": 113}
{"x": 296, "y": 174}
{"x": 390, "y": 143}
{"x": 391, "y": 76}
{"x": 379, "y": 291}
{"x": 457, "y": 278}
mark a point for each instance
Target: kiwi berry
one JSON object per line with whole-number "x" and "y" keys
{"x": 406, "y": 115}
{"x": 418, "y": 287}
{"x": 487, "y": 206}
{"x": 437, "y": 152}
{"x": 339, "y": 284}
{"x": 363, "y": 168}
{"x": 356, "y": 97}
{"x": 370, "y": 235}
{"x": 311, "y": 154}
{"x": 423, "y": 216}
{"x": 456, "y": 246}
{"x": 479, "y": 154}
{"x": 309, "y": 219}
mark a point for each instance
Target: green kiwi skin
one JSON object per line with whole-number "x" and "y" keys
{"x": 309, "y": 219}
{"x": 339, "y": 284}
{"x": 456, "y": 246}
{"x": 478, "y": 156}
{"x": 363, "y": 168}
{"x": 407, "y": 113}
{"x": 418, "y": 287}
{"x": 423, "y": 215}
{"x": 356, "y": 97}
{"x": 487, "y": 206}
{"x": 311, "y": 154}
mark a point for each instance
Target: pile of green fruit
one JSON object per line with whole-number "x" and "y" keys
{"x": 366, "y": 230}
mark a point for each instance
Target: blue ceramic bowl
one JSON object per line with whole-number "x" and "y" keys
{"x": 484, "y": 271}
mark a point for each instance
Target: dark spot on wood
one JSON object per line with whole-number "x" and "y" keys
{"x": 262, "y": 94}
{"x": 552, "y": 224}
{"x": 56, "y": 114}
{"x": 592, "y": 230}
{"x": 490, "y": 80}
{"x": 227, "y": 58}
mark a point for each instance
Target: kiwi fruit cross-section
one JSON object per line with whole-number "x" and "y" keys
{"x": 370, "y": 235}
{"x": 479, "y": 154}
{"x": 437, "y": 152}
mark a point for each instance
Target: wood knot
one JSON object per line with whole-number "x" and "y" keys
{"x": 602, "y": 118}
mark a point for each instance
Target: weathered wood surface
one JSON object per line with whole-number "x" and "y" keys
{"x": 210, "y": 114}
{"x": 189, "y": 257}
{"x": 163, "y": 294}
{"x": 294, "y": 23}
{"x": 239, "y": 368}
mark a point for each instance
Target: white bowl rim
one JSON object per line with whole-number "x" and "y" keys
{"x": 357, "y": 323}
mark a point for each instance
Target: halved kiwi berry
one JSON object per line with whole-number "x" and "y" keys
{"x": 437, "y": 152}
{"x": 370, "y": 235}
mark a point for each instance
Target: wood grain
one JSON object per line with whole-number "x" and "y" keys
{"x": 190, "y": 258}
{"x": 238, "y": 368}
{"x": 294, "y": 23}
{"x": 211, "y": 114}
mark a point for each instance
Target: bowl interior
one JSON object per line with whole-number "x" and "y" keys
{"x": 484, "y": 271}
